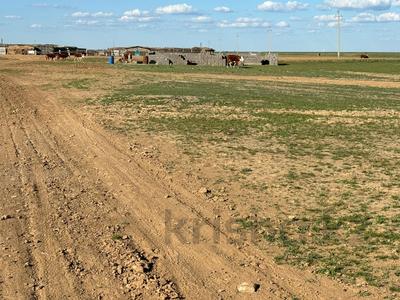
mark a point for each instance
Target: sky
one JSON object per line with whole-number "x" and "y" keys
{"x": 244, "y": 25}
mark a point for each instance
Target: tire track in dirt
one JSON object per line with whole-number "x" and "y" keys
{"x": 286, "y": 79}
{"x": 15, "y": 252}
{"x": 35, "y": 203}
{"x": 47, "y": 165}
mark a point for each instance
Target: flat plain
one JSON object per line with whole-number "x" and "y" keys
{"x": 295, "y": 168}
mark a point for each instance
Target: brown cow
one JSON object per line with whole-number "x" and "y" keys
{"x": 62, "y": 56}
{"x": 364, "y": 56}
{"x": 51, "y": 56}
{"x": 79, "y": 56}
{"x": 233, "y": 60}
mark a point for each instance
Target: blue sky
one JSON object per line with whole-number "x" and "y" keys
{"x": 309, "y": 25}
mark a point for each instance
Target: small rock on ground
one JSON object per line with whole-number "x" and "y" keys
{"x": 246, "y": 287}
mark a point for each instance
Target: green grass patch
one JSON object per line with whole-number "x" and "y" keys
{"x": 80, "y": 84}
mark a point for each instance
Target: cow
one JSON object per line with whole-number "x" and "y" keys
{"x": 233, "y": 60}
{"x": 191, "y": 63}
{"x": 126, "y": 57}
{"x": 51, "y": 56}
{"x": 62, "y": 56}
{"x": 79, "y": 56}
{"x": 170, "y": 62}
{"x": 364, "y": 56}
{"x": 143, "y": 59}
{"x": 265, "y": 62}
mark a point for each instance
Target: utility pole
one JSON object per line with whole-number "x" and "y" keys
{"x": 269, "y": 39}
{"x": 339, "y": 19}
{"x": 237, "y": 43}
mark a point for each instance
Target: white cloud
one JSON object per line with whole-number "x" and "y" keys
{"x": 360, "y": 4}
{"x": 371, "y": 18}
{"x": 223, "y": 9}
{"x": 364, "y": 18}
{"x": 135, "y": 13}
{"x": 102, "y": 14}
{"x": 281, "y": 6}
{"x": 175, "y": 9}
{"x": 86, "y": 22}
{"x": 334, "y": 24}
{"x": 244, "y": 23}
{"x": 331, "y": 24}
{"x": 80, "y": 14}
{"x": 396, "y": 2}
{"x": 388, "y": 17}
{"x": 202, "y": 19}
{"x": 47, "y": 5}
{"x": 325, "y": 18}
{"x": 282, "y": 24}
{"x": 36, "y": 26}
{"x": 143, "y": 19}
{"x": 99, "y": 14}
{"x": 13, "y": 17}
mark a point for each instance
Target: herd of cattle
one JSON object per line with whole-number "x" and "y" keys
{"x": 230, "y": 60}
{"x": 64, "y": 56}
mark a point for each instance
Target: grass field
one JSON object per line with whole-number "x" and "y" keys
{"x": 316, "y": 166}
{"x": 313, "y": 167}
{"x": 346, "y": 69}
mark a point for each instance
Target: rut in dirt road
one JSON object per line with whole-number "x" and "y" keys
{"x": 88, "y": 216}
{"x": 59, "y": 240}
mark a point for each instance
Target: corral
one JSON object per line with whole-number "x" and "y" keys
{"x": 296, "y": 167}
{"x": 202, "y": 56}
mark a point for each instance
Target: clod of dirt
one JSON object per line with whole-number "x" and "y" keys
{"x": 246, "y": 287}
{"x": 205, "y": 191}
{"x": 120, "y": 270}
{"x": 292, "y": 218}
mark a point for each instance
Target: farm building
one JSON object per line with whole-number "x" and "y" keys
{"x": 141, "y": 50}
{"x": 19, "y": 49}
{"x": 33, "y": 51}
{"x": 44, "y": 49}
{"x": 69, "y": 50}
{"x": 196, "y": 55}
{"x": 3, "y": 50}
{"x": 185, "y": 56}
{"x": 96, "y": 52}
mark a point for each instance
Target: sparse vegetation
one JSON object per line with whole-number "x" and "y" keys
{"x": 313, "y": 168}
{"x": 334, "y": 147}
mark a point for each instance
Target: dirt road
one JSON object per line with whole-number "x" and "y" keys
{"x": 84, "y": 217}
{"x": 288, "y": 79}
